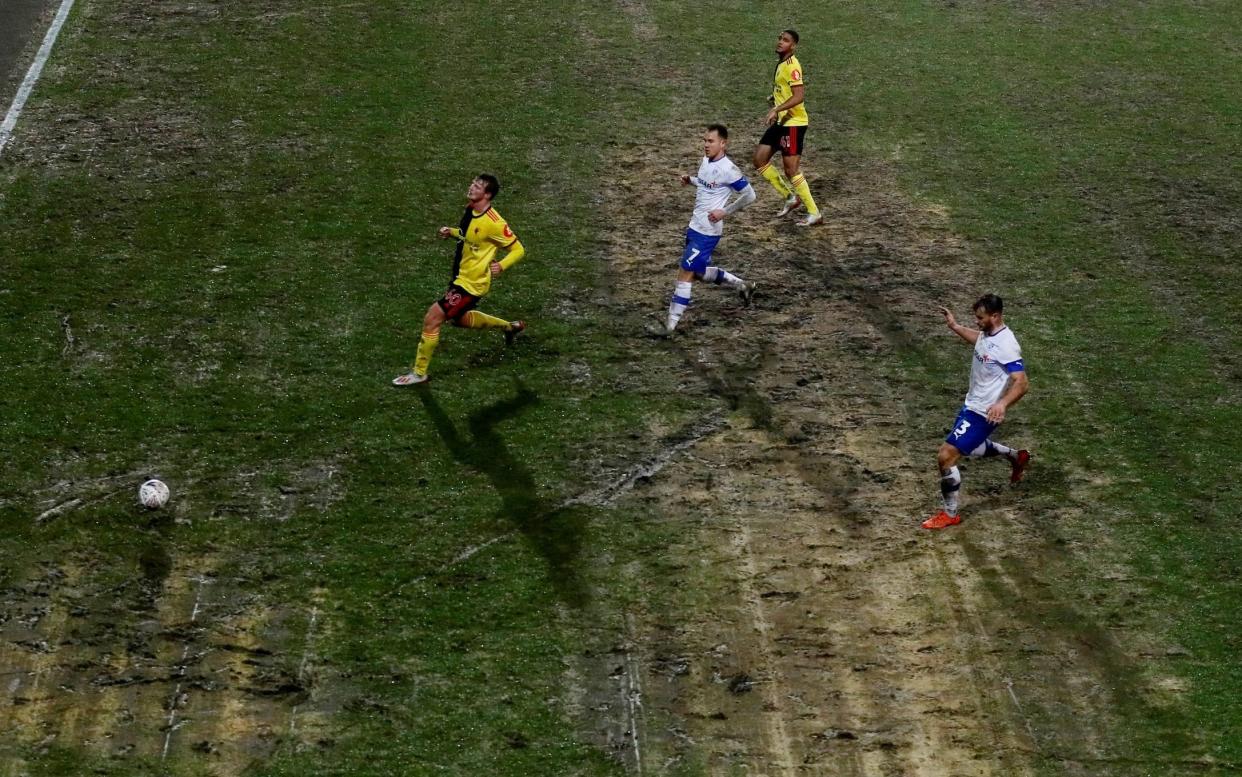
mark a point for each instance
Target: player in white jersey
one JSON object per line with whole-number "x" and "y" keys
{"x": 716, "y": 180}
{"x": 997, "y": 381}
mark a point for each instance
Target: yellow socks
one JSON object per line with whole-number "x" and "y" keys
{"x": 426, "y": 346}
{"x": 804, "y": 193}
{"x": 774, "y": 177}
{"x": 471, "y": 320}
{"x": 477, "y": 320}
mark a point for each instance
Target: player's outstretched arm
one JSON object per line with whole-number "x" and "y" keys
{"x": 966, "y": 333}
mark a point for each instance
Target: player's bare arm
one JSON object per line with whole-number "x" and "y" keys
{"x": 966, "y": 333}
{"x": 1017, "y": 389}
{"x": 447, "y": 232}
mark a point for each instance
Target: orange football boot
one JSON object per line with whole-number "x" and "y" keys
{"x": 940, "y": 520}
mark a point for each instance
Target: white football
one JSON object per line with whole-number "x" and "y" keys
{"x": 153, "y": 494}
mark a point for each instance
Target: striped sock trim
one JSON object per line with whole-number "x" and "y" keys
{"x": 950, "y": 485}
{"x": 950, "y": 481}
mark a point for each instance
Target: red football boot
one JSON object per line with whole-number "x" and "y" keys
{"x": 1021, "y": 460}
{"x": 940, "y": 520}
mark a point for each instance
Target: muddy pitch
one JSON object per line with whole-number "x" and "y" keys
{"x": 833, "y": 635}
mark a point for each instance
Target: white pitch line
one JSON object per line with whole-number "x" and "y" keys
{"x": 58, "y": 509}
{"x": 172, "y": 704}
{"x": 1030, "y": 730}
{"x": 32, "y": 75}
{"x": 470, "y": 551}
{"x": 601, "y": 497}
{"x": 605, "y": 496}
{"x": 310, "y": 636}
{"x": 632, "y": 695}
{"x": 77, "y": 501}
{"x": 306, "y": 655}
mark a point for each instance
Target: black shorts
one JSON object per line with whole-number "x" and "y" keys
{"x": 788, "y": 140}
{"x": 456, "y": 302}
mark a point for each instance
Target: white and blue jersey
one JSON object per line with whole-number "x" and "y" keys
{"x": 715, "y": 181}
{"x": 996, "y": 356}
{"x": 713, "y": 184}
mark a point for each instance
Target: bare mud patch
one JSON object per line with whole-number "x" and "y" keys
{"x": 826, "y": 631}
{"x": 180, "y": 661}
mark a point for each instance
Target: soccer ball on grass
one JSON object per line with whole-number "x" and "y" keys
{"x": 153, "y": 494}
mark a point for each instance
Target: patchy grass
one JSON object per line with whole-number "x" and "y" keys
{"x": 219, "y": 241}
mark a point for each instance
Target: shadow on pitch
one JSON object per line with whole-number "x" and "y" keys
{"x": 554, "y": 533}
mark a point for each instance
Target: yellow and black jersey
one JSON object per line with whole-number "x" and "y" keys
{"x": 480, "y": 235}
{"x": 788, "y": 75}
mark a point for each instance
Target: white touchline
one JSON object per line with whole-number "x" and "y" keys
{"x": 172, "y": 724}
{"x": 32, "y": 75}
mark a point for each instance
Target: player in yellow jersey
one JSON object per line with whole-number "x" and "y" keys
{"x": 787, "y": 122}
{"x": 480, "y": 235}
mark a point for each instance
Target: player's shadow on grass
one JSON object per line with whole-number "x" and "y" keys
{"x": 554, "y": 533}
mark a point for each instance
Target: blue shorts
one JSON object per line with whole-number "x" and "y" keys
{"x": 970, "y": 430}
{"x": 698, "y": 253}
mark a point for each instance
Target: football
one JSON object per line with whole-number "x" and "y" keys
{"x": 153, "y": 494}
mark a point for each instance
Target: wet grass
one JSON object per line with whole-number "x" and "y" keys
{"x": 219, "y": 241}
{"x": 1091, "y": 155}
{"x": 218, "y": 245}
{"x": 1097, "y": 160}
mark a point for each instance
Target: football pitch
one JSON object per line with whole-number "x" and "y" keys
{"x": 595, "y": 552}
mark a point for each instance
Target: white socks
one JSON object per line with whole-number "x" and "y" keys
{"x": 950, "y": 487}
{"x": 681, "y": 301}
{"x": 718, "y": 276}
